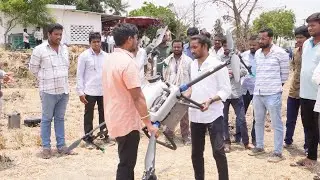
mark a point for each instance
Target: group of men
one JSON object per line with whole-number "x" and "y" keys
{"x": 114, "y": 81}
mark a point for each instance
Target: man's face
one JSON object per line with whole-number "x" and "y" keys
{"x": 264, "y": 40}
{"x": 217, "y": 43}
{"x": 197, "y": 49}
{"x": 225, "y": 49}
{"x": 177, "y": 48}
{"x": 55, "y": 36}
{"x": 300, "y": 39}
{"x": 95, "y": 44}
{"x": 254, "y": 46}
{"x": 133, "y": 43}
{"x": 314, "y": 28}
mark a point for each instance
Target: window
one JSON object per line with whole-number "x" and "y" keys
{"x": 80, "y": 32}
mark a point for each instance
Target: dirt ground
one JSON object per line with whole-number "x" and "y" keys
{"x": 22, "y": 147}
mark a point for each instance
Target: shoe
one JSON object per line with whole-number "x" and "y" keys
{"x": 288, "y": 146}
{"x": 187, "y": 141}
{"x": 256, "y": 151}
{"x": 46, "y": 153}
{"x": 65, "y": 151}
{"x": 89, "y": 146}
{"x": 306, "y": 151}
{"x": 227, "y": 148}
{"x": 275, "y": 158}
{"x": 248, "y": 146}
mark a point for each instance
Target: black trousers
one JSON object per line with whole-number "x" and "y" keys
{"x": 247, "y": 100}
{"x": 198, "y": 132}
{"x": 310, "y": 123}
{"x": 127, "y": 151}
{"x": 38, "y": 42}
{"x": 89, "y": 111}
{"x": 26, "y": 45}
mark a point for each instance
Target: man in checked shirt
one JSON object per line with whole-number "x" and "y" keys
{"x": 50, "y": 63}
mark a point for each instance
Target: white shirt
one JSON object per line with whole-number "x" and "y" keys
{"x": 177, "y": 71}
{"x": 216, "y": 84}
{"x": 218, "y": 54}
{"x": 142, "y": 60}
{"x": 25, "y": 37}
{"x": 38, "y": 35}
{"x": 51, "y": 68}
{"x": 110, "y": 40}
{"x": 89, "y": 73}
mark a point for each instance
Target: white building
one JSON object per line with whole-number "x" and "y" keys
{"x": 77, "y": 24}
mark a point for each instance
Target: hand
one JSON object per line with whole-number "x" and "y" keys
{"x": 8, "y": 77}
{"x": 206, "y": 105}
{"x": 83, "y": 99}
{"x": 153, "y": 129}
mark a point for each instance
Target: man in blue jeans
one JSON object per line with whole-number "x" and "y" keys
{"x": 293, "y": 102}
{"x": 50, "y": 63}
{"x": 235, "y": 99}
{"x": 272, "y": 70}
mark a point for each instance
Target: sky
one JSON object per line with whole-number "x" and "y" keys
{"x": 209, "y": 13}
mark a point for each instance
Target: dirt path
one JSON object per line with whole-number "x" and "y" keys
{"x": 22, "y": 146}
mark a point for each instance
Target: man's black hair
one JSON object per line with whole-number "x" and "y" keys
{"x": 207, "y": 34}
{"x": 94, "y": 36}
{"x": 177, "y": 40}
{"x": 55, "y": 26}
{"x": 122, "y": 32}
{"x": 24, "y": 30}
{"x": 253, "y": 37}
{"x": 192, "y": 31}
{"x": 315, "y": 17}
{"x": 224, "y": 40}
{"x": 302, "y": 30}
{"x": 267, "y": 30}
{"x": 203, "y": 40}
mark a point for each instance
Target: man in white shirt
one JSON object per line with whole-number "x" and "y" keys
{"x": 89, "y": 83}
{"x": 50, "y": 64}
{"x": 176, "y": 71}
{"x": 110, "y": 41}
{"x": 38, "y": 35}
{"x": 26, "y": 39}
{"x": 142, "y": 60}
{"x": 217, "y": 49}
{"x": 211, "y": 91}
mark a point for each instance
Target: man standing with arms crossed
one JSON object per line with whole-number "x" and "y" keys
{"x": 272, "y": 72}
{"x": 176, "y": 71}
{"x": 124, "y": 100}
{"x": 212, "y": 91}
{"x": 89, "y": 83}
{"x": 50, "y": 64}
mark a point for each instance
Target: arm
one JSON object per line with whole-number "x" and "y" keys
{"x": 35, "y": 62}
{"x": 316, "y": 75}
{"x": 284, "y": 66}
{"x": 80, "y": 74}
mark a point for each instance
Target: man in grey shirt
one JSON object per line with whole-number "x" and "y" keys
{"x": 235, "y": 99}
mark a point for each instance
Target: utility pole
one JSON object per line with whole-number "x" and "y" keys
{"x": 194, "y": 13}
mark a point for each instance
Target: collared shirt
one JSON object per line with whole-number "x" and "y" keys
{"x": 89, "y": 73}
{"x": 215, "y": 84}
{"x": 51, "y": 68}
{"x": 187, "y": 51}
{"x": 248, "y": 81}
{"x": 120, "y": 73}
{"x": 177, "y": 71}
{"x": 272, "y": 71}
{"x": 38, "y": 35}
{"x": 296, "y": 67}
{"x": 25, "y": 37}
{"x": 142, "y": 60}
{"x": 310, "y": 60}
{"x": 215, "y": 53}
{"x": 235, "y": 86}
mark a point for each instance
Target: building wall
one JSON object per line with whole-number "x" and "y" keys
{"x": 76, "y": 21}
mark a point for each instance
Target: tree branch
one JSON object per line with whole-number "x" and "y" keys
{"x": 223, "y": 2}
{"x": 250, "y": 12}
{"x": 244, "y": 6}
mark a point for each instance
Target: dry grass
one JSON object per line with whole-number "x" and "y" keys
{"x": 2, "y": 142}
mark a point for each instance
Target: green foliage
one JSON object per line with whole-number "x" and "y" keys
{"x": 118, "y": 6}
{"x": 65, "y": 2}
{"x": 163, "y": 13}
{"x": 280, "y": 21}
{"x": 89, "y": 5}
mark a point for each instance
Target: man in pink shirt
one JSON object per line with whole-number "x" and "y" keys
{"x": 124, "y": 103}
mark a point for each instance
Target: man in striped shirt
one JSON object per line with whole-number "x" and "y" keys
{"x": 272, "y": 64}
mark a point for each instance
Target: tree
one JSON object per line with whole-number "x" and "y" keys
{"x": 280, "y": 21}
{"x": 241, "y": 14}
{"x": 118, "y": 6}
{"x": 163, "y": 13}
{"x": 90, "y": 5}
{"x": 65, "y": 2}
{"x": 217, "y": 28}
{"x": 32, "y": 12}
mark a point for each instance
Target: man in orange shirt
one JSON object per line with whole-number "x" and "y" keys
{"x": 124, "y": 103}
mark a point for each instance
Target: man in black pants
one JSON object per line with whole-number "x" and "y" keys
{"x": 212, "y": 91}
{"x": 309, "y": 89}
{"x": 89, "y": 83}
